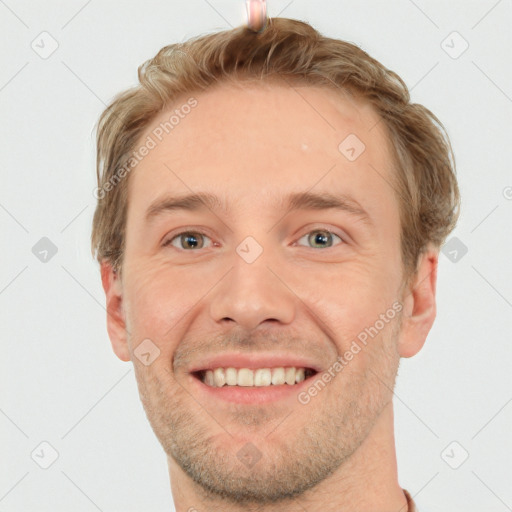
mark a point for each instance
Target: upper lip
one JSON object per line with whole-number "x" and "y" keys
{"x": 253, "y": 361}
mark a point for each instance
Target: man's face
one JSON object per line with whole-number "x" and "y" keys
{"x": 305, "y": 298}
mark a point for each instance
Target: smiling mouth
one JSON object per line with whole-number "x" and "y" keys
{"x": 260, "y": 377}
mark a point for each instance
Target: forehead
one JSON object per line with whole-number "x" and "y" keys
{"x": 252, "y": 142}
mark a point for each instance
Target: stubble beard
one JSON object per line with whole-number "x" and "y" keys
{"x": 204, "y": 444}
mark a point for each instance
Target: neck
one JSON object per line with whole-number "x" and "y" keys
{"x": 366, "y": 482}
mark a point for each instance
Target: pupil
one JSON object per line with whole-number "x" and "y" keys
{"x": 191, "y": 240}
{"x": 320, "y": 237}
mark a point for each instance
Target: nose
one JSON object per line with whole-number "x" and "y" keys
{"x": 251, "y": 294}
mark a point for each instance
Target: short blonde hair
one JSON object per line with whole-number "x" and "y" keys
{"x": 425, "y": 180}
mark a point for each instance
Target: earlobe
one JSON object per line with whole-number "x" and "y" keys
{"x": 116, "y": 324}
{"x": 419, "y": 301}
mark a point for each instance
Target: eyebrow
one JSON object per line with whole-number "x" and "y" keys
{"x": 293, "y": 202}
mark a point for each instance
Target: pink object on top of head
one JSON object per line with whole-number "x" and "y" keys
{"x": 257, "y": 14}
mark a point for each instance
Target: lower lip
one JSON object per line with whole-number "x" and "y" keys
{"x": 251, "y": 395}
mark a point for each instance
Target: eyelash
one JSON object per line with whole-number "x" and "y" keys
{"x": 202, "y": 233}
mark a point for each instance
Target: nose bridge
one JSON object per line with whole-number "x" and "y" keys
{"x": 251, "y": 293}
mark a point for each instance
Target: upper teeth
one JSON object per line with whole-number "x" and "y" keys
{"x": 247, "y": 377}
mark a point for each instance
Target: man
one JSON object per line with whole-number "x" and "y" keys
{"x": 271, "y": 208}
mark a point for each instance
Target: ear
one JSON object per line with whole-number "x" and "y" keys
{"x": 116, "y": 325}
{"x": 419, "y": 301}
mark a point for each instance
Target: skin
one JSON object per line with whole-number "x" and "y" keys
{"x": 252, "y": 146}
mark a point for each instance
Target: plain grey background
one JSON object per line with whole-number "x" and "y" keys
{"x": 62, "y": 385}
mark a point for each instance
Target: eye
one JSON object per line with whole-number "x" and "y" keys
{"x": 188, "y": 240}
{"x": 323, "y": 237}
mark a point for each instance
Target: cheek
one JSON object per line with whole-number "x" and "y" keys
{"x": 353, "y": 285}
{"x": 351, "y": 298}
{"x": 153, "y": 301}
{"x": 159, "y": 299}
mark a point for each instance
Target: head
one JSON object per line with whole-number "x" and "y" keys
{"x": 268, "y": 131}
